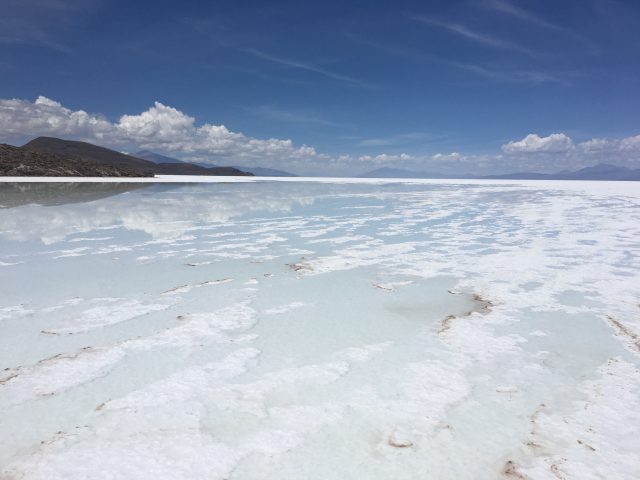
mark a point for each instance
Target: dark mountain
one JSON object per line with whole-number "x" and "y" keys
{"x": 601, "y": 171}
{"x": 87, "y": 151}
{"x": 266, "y": 172}
{"x": 23, "y": 162}
{"x": 193, "y": 169}
{"x": 69, "y": 149}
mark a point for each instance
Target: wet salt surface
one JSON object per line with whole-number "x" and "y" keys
{"x": 467, "y": 330}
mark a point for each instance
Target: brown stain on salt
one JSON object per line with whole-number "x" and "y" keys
{"x": 623, "y": 330}
{"x": 510, "y": 470}
{"x": 14, "y": 372}
{"x": 8, "y": 378}
{"x": 483, "y": 306}
{"x": 382, "y": 287}
{"x": 446, "y": 324}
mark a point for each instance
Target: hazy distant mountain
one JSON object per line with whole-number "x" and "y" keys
{"x": 604, "y": 171}
{"x": 23, "y": 162}
{"x": 601, "y": 171}
{"x": 156, "y": 157}
{"x": 266, "y": 172}
{"x": 258, "y": 171}
{"x": 69, "y": 149}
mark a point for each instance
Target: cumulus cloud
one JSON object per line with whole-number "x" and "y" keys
{"x": 630, "y": 144}
{"x": 559, "y": 152}
{"x": 595, "y": 145}
{"x": 532, "y": 143}
{"x": 559, "y": 143}
{"x": 447, "y": 156}
{"x": 46, "y": 117}
{"x": 623, "y": 146}
{"x": 159, "y": 128}
{"x": 167, "y": 130}
{"x": 385, "y": 158}
{"x": 159, "y": 124}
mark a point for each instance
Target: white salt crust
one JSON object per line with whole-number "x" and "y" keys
{"x": 539, "y": 379}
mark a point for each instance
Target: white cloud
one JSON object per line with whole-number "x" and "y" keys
{"x": 168, "y": 130}
{"x": 447, "y": 156}
{"x": 46, "y": 117}
{"x": 595, "y": 145}
{"x": 385, "y": 158}
{"x": 532, "y": 143}
{"x": 159, "y": 124}
{"x": 159, "y": 128}
{"x": 630, "y": 144}
{"x": 620, "y": 147}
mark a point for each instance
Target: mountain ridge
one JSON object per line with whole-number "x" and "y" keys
{"x": 258, "y": 171}
{"x": 76, "y": 150}
{"x": 156, "y": 157}
{"x": 600, "y": 171}
{"x": 24, "y": 162}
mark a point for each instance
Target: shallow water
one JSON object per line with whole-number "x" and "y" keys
{"x": 293, "y": 329}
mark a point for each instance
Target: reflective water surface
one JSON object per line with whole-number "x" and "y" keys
{"x": 319, "y": 330}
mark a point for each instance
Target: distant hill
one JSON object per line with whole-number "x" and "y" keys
{"x": 23, "y": 162}
{"x": 609, "y": 172}
{"x": 87, "y": 151}
{"x": 601, "y": 171}
{"x": 258, "y": 171}
{"x": 70, "y": 149}
{"x": 184, "y": 168}
{"x": 156, "y": 157}
{"x": 266, "y": 172}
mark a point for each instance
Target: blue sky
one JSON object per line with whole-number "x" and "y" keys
{"x": 335, "y": 87}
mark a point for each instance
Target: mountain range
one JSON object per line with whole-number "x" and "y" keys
{"x": 74, "y": 150}
{"x": 24, "y": 162}
{"x": 257, "y": 171}
{"x": 144, "y": 163}
{"x": 157, "y": 158}
{"x": 601, "y": 171}
{"x": 48, "y": 156}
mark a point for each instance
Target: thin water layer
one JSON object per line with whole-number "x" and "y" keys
{"x": 331, "y": 330}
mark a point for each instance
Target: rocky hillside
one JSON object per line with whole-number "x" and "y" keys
{"x": 17, "y": 161}
{"x": 106, "y": 156}
{"x": 88, "y": 151}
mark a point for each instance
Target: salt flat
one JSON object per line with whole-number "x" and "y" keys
{"x": 249, "y": 328}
